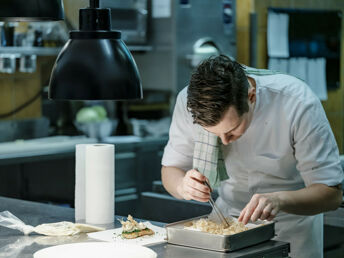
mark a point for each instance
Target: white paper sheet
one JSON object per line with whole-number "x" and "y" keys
{"x": 298, "y": 67}
{"x": 114, "y": 235}
{"x": 278, "y": 38}
{"x": 316, "y": 77}
{"x": 279, "y": 64}
{"x": 161, "y": 8}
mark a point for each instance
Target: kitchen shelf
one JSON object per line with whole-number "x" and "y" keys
{"x": 39, "y": 51}
{"x": 54, "y": 51}
{"x": 140, "y": 48}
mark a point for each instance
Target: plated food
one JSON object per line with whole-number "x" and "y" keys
{"x": 133, "y": 229}
{"x": 209, "y": 226}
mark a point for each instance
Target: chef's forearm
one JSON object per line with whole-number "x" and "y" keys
{"x": 171, "y": 179}
{"x": 314, "y": 199}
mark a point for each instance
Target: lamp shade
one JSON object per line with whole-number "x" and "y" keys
{"x": 31, "y": 10}
{"x": 95, "y": 64}
{"x": 88, "y": 69}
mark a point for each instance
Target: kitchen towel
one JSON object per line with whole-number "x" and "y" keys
{"x": 95, "y": 179}
{"x": 316, "y": 77}
{"x": 208, "y": 158}
{"x": 278, "y": 38}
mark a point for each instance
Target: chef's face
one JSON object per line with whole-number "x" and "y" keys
{"x": 232, "y": 126}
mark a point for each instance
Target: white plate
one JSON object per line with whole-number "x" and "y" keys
{"x": 114, "y": 235}
{"x": 95, "y": 250}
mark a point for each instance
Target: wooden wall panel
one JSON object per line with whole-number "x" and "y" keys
{"x": 244, "y": 7}
{"x": 18, "y": 88}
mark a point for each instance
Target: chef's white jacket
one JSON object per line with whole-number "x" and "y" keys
{"x": 288, "y": 145}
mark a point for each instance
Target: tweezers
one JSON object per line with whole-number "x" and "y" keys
{"x": 216, "y": 209}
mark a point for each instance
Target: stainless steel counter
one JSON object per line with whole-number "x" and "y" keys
{"x": 14, "y": 244}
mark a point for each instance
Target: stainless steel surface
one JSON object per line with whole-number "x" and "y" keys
{"x": 216, "y": 209}
{"x": 52, "y": 144}
{"x": 20, "y": 129}
{"x": 130, "y": 17}
{"x": 176, "y": 234}
{"x": 14, "y": 244}
{"x": 39, "y": 51}
{"x": 200, "y": 20}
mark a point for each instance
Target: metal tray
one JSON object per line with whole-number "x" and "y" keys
{"x": 176, "y": 234}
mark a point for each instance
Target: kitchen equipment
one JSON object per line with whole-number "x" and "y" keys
{"x": 8, "y": 63}
{"x": 131, "y": 17}
{"x": 95, "y": 64}
{"x": 202, "y": 49}
{"x": 202, "y": 28}
{"x": 38, "y": 10}
{"x": 99, "y": 130}
{"x": 28, "y": 64}
{"x": 259, "y": 231}
{"x": 216, "y": 209}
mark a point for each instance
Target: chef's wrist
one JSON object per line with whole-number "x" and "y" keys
{"x": 284, "y": 199}
{"x": 180, "y": 189}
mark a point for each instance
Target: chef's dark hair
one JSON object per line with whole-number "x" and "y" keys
{"x": 217, "y": 84}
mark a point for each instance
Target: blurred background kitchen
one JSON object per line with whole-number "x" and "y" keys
{"x": 167, "y": 39}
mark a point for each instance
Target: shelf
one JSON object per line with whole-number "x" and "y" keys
{"x": 39, "y": 51}
{"x": 139, "y": 48}
{"x": 54, "y": 51}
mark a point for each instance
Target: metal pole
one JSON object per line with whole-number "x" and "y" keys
{"x": 94, "y": 3}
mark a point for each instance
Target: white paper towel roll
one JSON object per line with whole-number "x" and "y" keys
{"x": 99, "y": 184}
{"x": 94, "y": 183}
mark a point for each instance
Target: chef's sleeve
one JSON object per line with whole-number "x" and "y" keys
{"x": 179, "y": 149}
{"x": 315, "y": 147}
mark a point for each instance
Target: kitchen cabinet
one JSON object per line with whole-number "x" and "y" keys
{"x": 48, "y": 176}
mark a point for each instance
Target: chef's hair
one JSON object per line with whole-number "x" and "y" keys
{"x": 217, "y": 84}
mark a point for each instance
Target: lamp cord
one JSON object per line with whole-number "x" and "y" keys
{"x": 94, "y": 3}
{"x": 21, "y": 107}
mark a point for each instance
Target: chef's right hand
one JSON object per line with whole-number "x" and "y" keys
{"x": 193, "y": 188}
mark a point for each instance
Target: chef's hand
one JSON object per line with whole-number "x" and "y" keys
{"x": 193, "y": 188}
{"x": 261, "y": 206}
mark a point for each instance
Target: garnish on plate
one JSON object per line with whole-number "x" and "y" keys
{"x": 133, "y": 229}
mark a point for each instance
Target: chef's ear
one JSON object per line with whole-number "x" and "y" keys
{"x": 252, "y": 90}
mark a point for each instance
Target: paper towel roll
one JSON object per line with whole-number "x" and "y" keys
{"x": 99, "y": 183}
{"x": 80, "y": 180}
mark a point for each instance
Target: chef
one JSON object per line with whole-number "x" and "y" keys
{"x": 279, "y": 153}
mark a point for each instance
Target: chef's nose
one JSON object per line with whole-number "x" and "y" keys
{"x": 225, "y": 138}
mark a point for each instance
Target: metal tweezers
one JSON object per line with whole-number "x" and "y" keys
{"x": 216, "y": 209}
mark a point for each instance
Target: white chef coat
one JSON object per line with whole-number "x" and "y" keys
{"x": 288, "y": 145}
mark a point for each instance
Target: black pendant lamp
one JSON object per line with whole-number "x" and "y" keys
{"x": 95, "y": 64}
{"x": 31, "y": 10}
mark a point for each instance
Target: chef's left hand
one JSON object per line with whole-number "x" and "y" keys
{"x": 261, "y": 206}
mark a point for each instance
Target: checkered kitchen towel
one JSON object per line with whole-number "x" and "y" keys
{"x": 208, "y": 158}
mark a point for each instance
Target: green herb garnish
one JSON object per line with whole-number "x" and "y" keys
{"x": 137, "y": 230}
